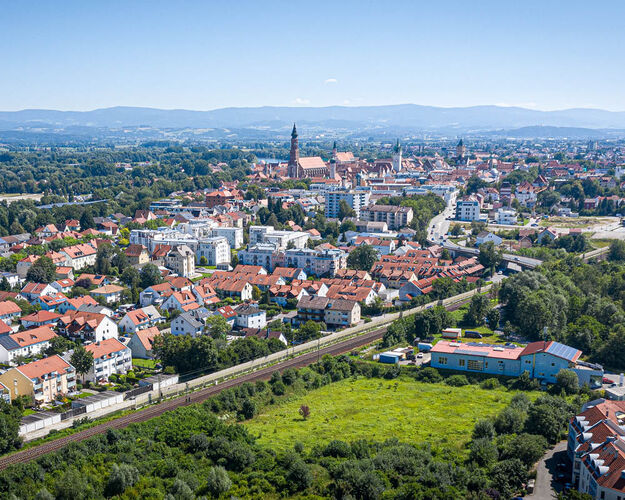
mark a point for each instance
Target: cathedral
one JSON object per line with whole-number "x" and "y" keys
{"x": 307, "y": 166}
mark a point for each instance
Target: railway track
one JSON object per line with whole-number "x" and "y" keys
{"x": 188, "y": 399}
{"x": 197, "y": 396}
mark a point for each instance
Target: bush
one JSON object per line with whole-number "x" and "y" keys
{"x": 217, "y": 481}
{"x": 510, "y": 420}
{"x": 483, "y": 429}
{"x": 337, "y": 449}
{"x": 490, "y": 384}
{"x": 457, "y": 380}
{"x": 429, "y": 375}
{"x": 122, "y": 476}
{"x": 279, "y": 389}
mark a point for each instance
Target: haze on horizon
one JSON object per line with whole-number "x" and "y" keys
{"x": 206, "y": 55}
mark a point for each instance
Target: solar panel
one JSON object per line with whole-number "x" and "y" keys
{"x": 562, "y": 351}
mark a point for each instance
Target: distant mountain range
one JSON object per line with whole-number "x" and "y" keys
{"x": 485, "y": 120}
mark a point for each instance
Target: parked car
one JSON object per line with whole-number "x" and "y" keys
{"x": 419, "y": 355}
{"x": 606, "y": 380}
{"x": 472, "y": 334}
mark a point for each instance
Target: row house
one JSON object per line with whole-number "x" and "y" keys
{"x": 141, "y": 344}
{"x": 9, "y": 311}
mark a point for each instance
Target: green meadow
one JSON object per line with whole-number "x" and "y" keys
{"x": 376, "y": 409}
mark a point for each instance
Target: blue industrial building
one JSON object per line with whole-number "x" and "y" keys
{"x": 542, "y": 360}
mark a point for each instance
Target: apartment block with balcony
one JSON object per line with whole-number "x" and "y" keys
{"x": 395, "y": 217}
{"x": 109, "y": 357}
{"x": 43, "y": 380}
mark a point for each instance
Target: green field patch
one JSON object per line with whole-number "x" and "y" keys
{"x": 376, "y": 409}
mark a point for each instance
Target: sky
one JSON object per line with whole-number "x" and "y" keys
{"x": 201, "y": 55}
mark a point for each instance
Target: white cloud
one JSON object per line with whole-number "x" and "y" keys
{"x": 301, "y": 100}
{"x": 331, "y": 80}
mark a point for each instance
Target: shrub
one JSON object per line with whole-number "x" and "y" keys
{"x": 483, "y": 429}
{"x": 279, "y": 389}
{"x": 457, "y": 380}
{"x": 490, "y": 383}
{"x": 429, "y": 375}
{"x": 217, "y": 481}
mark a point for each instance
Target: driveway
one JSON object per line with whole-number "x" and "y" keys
{"x": 547, "y": 486}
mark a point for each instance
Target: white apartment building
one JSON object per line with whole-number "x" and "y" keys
{"x": 355, "y": 199}
{"x": 181, "y": 260}
{"x": 216, "y": 250}
{"x": 506, "y": 216}
{"x": 250, "y": 316}
{"x": 279, "y": 239}
{"x": 109, "y": 357}
{"x": 468, "y": 209}
{"x": 234, "y": 235}
{"x": 395, "y": 217}
{"x": 261, "y": 254}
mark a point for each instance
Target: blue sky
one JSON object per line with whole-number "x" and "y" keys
{"x": 79, "y": 55}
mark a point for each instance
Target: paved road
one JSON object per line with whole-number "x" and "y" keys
{"x": 546, "y": 484}
{"x": 439, "y": 225}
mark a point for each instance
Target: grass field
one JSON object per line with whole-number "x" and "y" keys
{"x": 143, "y": 363}
{"x": 376, "y": 409}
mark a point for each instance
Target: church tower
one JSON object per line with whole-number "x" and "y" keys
{"x": 397, "y": 157}
{"x": 334, "y": 151}
{"x": 461, "y": 150}
{"x": 293, "y": 167}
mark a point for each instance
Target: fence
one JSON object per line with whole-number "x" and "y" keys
{"x": 74, "y": 412}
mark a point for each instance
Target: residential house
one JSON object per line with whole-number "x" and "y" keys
{"x": 40, "y": 318}
{"x": 87, "y": 326}
{"x": 250, "y": 316}
{"x": 190, "y": 322}
{"x": 110, "y": 357}
{"x": 9, "y": 311}
{"x": 50, "y": 303}
{"x": 342, "y": 313}
{"x": 137, "y": 255}
{"x": 80, "y": 256}
{"x": 140, "y": 319}
{"x": 27, "y": 343}
{"x": 141, "y": 344}
{"x": 155, "y": 294}
{"x": 485, "y": 236}
{"x": 109, "y": 293}
{"x": 181, "y": 260}
{"x": 76, "y": 303}
{"x": 63, "y": 285}
{"x": 25, "y": 264}
{"x": 264, "y": 334}
{"x": 43, "y": 380}
{"x": 33, "y": 290}
{"x": 183, "y": 301}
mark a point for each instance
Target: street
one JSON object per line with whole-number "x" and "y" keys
{"x": 547, "y": 485}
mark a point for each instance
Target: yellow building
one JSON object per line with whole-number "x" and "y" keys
{"x": 42, "y": 380}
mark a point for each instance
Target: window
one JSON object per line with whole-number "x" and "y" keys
{"x": 474, "y": 364}
{"x": 461, "y": 362}
{"x": 442, "y": 360}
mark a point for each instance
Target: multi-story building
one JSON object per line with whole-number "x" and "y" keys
{"x": 600, "y": 421}
{"x": 109, "y": 357}
{"x": 261, "y": 254}
{"x": 140, "y": 319}
{"x": 354, "y": 199}
{"x": 80, "y": 256}
{"x": 87, "y": 326}
{"x": 395, "y": 217}
{"x": 468, "y": 209}
{"x": 181, "y": 260}
{"x": 25, "y": 344}
{"x": 216, "y": 250}
{"x": 506, "y": 216}
{"x": 279, "y": 239}
{"x": 335, "y": 313}
{"x": 43, "y": 380}
{"x": 234, "y": 235}
{"x": 250, "y": 316}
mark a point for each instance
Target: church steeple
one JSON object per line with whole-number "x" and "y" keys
{"x": 293, "y": 167}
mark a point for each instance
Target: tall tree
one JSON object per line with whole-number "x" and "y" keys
{"x": 82, "y": 360}
{"x": 42, "y": 271}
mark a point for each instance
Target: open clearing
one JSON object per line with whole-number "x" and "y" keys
{"x": 376, "y": 409}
